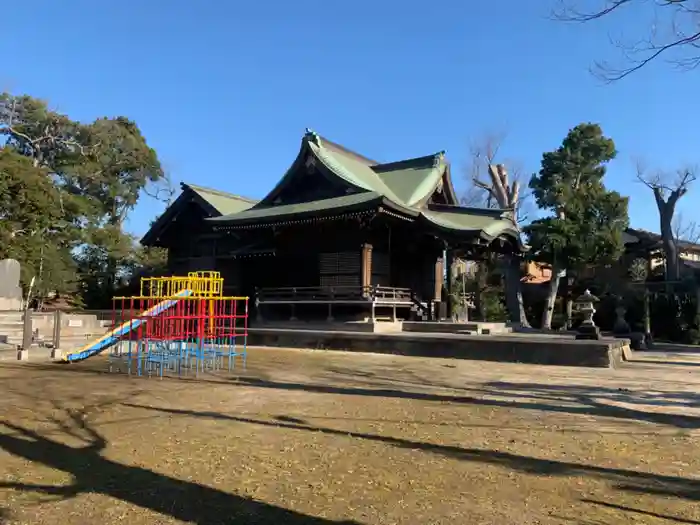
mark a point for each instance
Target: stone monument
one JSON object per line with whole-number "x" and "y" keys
{"x": 10, "y": 290}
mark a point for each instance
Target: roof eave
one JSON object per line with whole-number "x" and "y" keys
{"x": 448, "y": 187}
{"x": 270, "y": 197}
{"x": 151, "y": 237}
{"x": 513, "y": 233}
{"x": 395, "y": 206}
{"x": 369, "y": 206}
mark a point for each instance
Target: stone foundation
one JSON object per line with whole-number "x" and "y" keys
{"x": 542, "y": 350}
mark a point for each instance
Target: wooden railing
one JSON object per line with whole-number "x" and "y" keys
{"x": 338, "y": 294}
{"x": 391, "y": 294}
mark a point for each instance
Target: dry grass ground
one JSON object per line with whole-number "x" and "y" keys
{"x": 318, "y": 438}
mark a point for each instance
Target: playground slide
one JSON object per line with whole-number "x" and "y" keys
{"x": 114, "y": 335}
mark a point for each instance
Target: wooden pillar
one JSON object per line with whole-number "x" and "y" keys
{"x": 366, "y": 267}
{"x": 439, "y": 279}
{"x": 449, "y": 263}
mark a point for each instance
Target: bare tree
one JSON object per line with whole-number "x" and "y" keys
{"x": 685, "y": 231}
{"x": 501, "y": 191}
{"x": 490, "y": 183}
{"x": 672, "y": 32}
{"x": 668, "y": 189}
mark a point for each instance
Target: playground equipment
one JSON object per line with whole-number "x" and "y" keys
{"x": 177, "y": 324}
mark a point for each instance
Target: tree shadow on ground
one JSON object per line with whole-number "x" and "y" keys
{"x": 622, "y": 479}
{"x": 597, "y": 400}
{"x": 642, "y": 512}
{"x": 92, "y": 473}
{"x": 549, "y": 398}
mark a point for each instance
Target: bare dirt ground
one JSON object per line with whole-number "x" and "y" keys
{"x": 323, "y": 438}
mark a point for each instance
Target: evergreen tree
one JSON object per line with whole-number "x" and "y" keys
{"x": 85, "y": 179}
{"x": 585, "y": 221}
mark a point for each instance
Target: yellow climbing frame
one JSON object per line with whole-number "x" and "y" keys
{"x": 201, "y": 284}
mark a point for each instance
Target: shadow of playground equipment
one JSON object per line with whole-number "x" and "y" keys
{"x": 92, "y": 473}
{"x": 630, "y": 480}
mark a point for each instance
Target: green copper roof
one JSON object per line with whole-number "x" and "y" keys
{"x": 339, "y": 204}
{"x": 403, "y": 187}
{"x": 352, "y": 171}
{"x": 413, "y": 181}
{"x": 224, "y": 203}
{"x": 406, "y": 182}
{"x": 220, "y": 203}
{"x": 490, "y": 223}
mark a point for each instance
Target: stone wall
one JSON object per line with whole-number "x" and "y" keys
{"x": 71, "y": 323}
{"x": 76, "y": 327}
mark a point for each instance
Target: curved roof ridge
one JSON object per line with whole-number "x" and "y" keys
{"x": 407, "y": 162}
{"x": 342, "y": 149}
{"x": 355, "y": 173}
{"x": 197, "y": 187}
{"x": 414, "y": 180}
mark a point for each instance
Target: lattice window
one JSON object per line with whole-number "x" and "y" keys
{"x": 340, "y": 269}
{"x": 340, "y": 263}
{"x": 330, "y": 281}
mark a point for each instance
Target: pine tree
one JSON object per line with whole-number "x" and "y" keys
{"x": 585, "y": 221}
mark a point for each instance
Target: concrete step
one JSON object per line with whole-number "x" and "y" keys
{"x": 75, "y": 340}
{"x": 11, "y": 316}
{"x": 446, "y": 327}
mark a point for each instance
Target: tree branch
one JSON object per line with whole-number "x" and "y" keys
{"x": 674, "y": 28}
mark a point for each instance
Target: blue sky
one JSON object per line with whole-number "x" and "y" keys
{"x": 224, "y": 89}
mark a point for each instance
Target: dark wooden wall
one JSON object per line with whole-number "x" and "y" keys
{"x": 190, "y": 242}
{"x": 323, "y": 253}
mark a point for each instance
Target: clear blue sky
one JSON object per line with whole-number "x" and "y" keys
{"x": 224, "y": 89}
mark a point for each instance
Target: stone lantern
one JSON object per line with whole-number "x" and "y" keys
{"x": 586, "y": 307}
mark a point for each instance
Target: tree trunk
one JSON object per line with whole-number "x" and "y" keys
{"x": 647, "y": 317}
{"x": 667, "y": 209}
{"x": 551, "y": 299}
{"x": 568, "y": 284}
{"x": 669, "y": 243}
{"x": 482, "y": 274}
{"x": 514, "y": 292}
{"x": 696, "y": 321}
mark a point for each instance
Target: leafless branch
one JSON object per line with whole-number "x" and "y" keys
{"x": 674, "y": 31}
{"x": 163, "y": 190}
{"x": 666, "y": 185}
{"x": 685, "y": 230}
{"x": 567, "y": 12}
{"x": 490, "y": 182}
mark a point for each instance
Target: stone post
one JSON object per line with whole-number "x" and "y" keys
{"x": 23, "y": 353}
{"x": 56, "y": 352}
